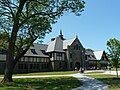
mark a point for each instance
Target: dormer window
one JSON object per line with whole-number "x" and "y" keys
{"x": 33, "y": 51}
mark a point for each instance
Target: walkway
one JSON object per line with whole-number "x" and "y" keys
{"x": 111, "y": 72}
{"x": 90, "y": 83}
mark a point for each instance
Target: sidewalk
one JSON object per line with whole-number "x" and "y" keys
{"x": 111, "y": 72}
{"x": 39, "y": 76}
{"x": 90, "y": 83}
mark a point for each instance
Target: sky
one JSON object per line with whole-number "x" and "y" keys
{"x": 99, "y": 22}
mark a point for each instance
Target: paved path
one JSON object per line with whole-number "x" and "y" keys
{"x": 90, "y": 83}
{"x": 111, "y": 72}
{"x": 40, "y": 76}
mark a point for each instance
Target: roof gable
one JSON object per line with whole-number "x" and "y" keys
{"x": 35, "y": 53}
{"x": 55, "y": 45}
{"x": 68, "y": 43}
{"x": 40, "y": 46}
{"x": 98, "y": 54}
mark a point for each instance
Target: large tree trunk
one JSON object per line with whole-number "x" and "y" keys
{"x": 8, "y": 73}
{"x": 11, "y": 61}
{"x": 9, "y": 64}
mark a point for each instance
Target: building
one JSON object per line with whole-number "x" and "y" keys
{"x": 58, "y": 54}
{"x": 96, "y": 60}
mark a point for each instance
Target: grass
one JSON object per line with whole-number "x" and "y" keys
{"x": 51, "y": 83}
{"x": 114, "y": 69}
{"x": 48, "y": 73}
{"x": 111, "y": 80}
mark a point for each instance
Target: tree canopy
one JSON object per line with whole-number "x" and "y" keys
{"x": 26, "y": 20}
{"x": 114, "y": 52}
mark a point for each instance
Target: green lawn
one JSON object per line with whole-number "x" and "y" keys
{"x": 48, "y": 73}
{"x": 51, "y": 83}
{"x": 111, "y": 80}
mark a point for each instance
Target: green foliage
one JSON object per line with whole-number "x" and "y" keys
{"x": 114, "y": 52}
{"x": 32, "y": 19}
{"x": 25, "y": 21}
{"x": 52, "y": 83}
{"x": 3, "y": 43}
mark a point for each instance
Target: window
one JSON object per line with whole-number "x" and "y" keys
{"x": 25, "y": 66}
{"x": 37, "y": 59}
{"x": 33, "y": 51}
{"x": 27, "y": 59}
{"x": 31, "y": 66}
{"x": 58, "y": 56}
{"x": 19, "y": 66}
{"x": 34, "y": 66}
{"x": 43, "y": 51}
{"x": 60, "y": 65}
{"x": 47, "y": 65}
{"x": 37, "y": 66}
{"x": 65, "y": 64}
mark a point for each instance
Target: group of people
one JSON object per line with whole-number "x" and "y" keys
{"x": 81, "y": 70}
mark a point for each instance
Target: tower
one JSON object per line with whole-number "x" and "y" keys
{"x": 61, "y": 35}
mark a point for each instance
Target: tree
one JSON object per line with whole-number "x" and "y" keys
{"x": 114, "y": 53}
{"x": 24, "y": 21}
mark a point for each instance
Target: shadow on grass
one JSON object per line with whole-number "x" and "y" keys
{"x": 114, "y": 83}
{"x": 56, "y": 83}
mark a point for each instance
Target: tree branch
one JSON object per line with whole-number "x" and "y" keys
{"x": 24, "y": 51}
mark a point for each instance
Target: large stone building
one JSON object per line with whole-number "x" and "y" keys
{"x": 58, "y": 54}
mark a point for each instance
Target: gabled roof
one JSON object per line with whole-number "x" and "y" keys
{"x": 89, "y": 52}
{"x": 98, "y": 54}
{"x": 90, "y": 55}
{"x": 55, "y": 45}
{"x": 68, "y": 43}
{"x": 35, "y": 53}
{"x": 40, "y": 46}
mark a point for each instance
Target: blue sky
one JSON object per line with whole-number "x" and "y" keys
{"x": 98, "y": 23}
